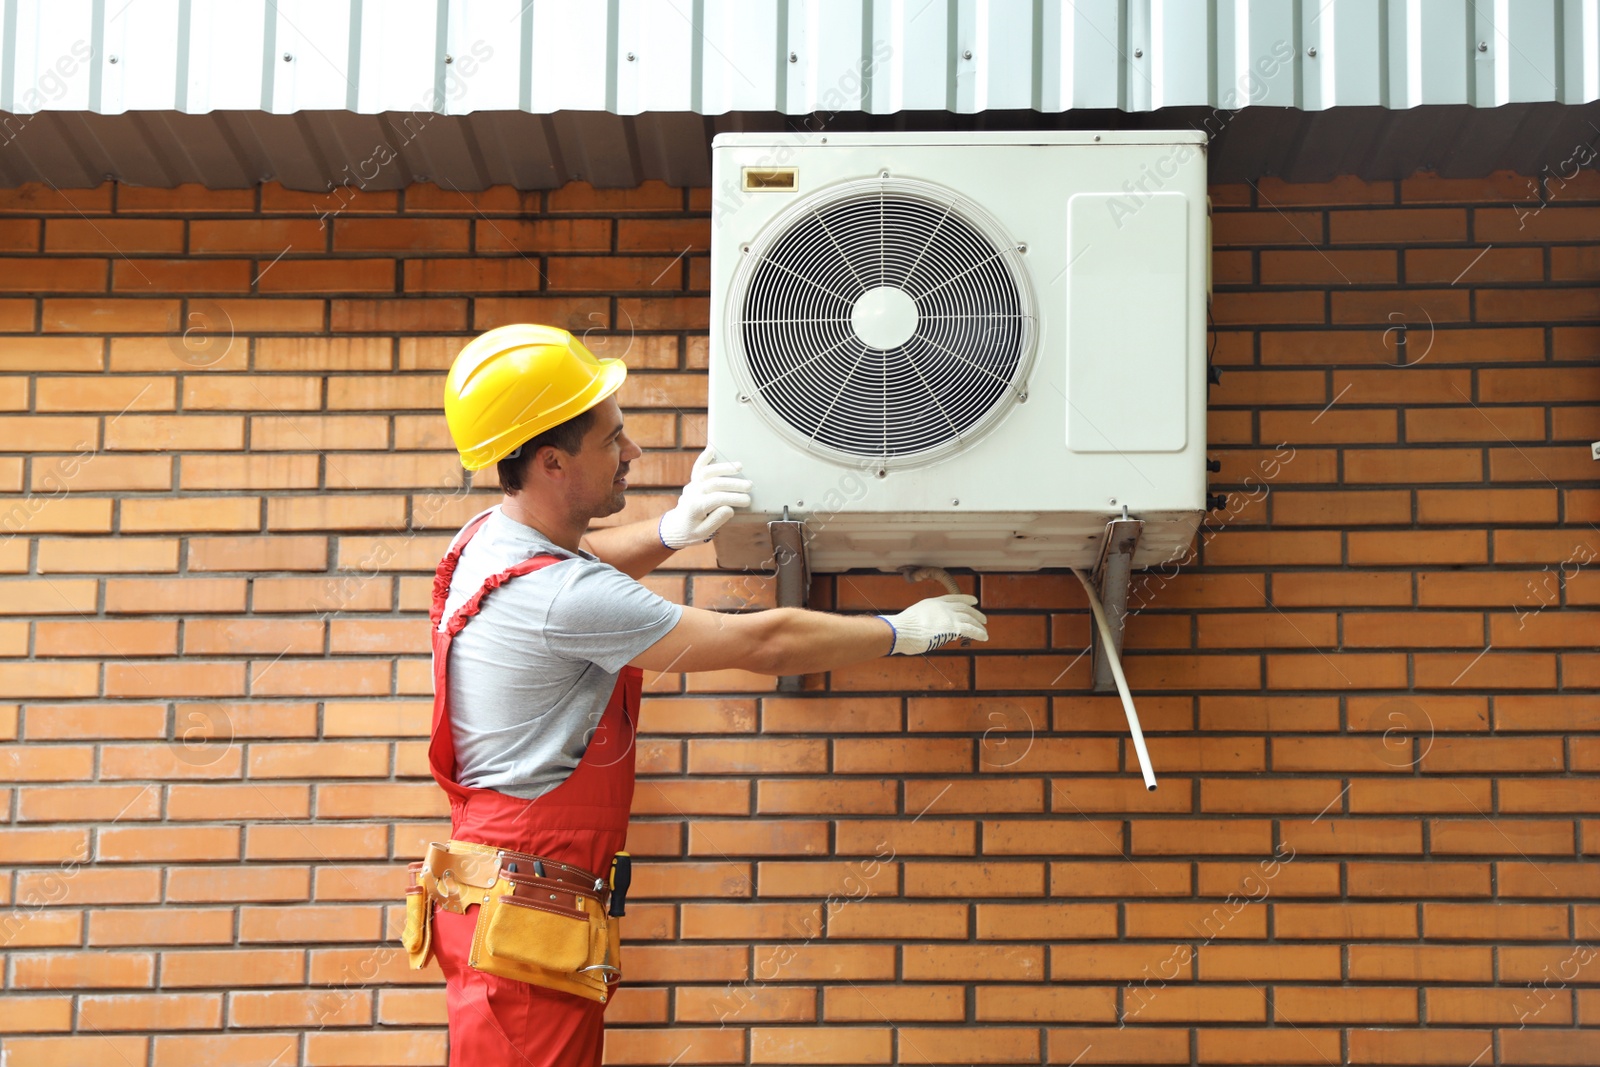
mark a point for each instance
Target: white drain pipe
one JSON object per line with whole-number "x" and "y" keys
{"x": 936, "y": 574}
{"x": 1110, "y": 644}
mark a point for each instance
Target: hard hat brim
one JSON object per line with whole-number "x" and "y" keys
{"x": 611, "y": 375}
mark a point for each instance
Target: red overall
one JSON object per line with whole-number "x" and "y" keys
{"x": 583, "y": 821}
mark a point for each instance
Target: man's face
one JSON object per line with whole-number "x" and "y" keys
{"x": 600, "y": 469}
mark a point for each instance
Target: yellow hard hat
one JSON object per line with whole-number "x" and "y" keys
{"x": 514, "y": 383}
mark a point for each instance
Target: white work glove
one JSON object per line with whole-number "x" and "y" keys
{"x": 707, "y": 502}
{"x": 929, "y": 623}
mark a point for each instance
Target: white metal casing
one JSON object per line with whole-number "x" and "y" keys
{"x": 1114, "y": 227}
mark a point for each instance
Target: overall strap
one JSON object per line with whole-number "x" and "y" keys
{"x": 466, "y": 611}
{"x": 447, "y": 567}
{"x": 447, "y": 570}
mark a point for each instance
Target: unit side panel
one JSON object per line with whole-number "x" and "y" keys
{"x": 1127, "y": 323}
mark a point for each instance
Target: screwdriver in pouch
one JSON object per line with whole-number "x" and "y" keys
{"x": 621, "y": 876}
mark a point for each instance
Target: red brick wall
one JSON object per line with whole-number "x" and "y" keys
{"x": 1372, "y": 701}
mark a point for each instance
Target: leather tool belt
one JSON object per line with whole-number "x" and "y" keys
{"x": 539, "y": 921}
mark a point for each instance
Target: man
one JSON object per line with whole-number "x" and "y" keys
{"x": 541, "y": 633}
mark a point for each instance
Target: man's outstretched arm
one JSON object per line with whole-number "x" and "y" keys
{"x": 794, "y": 641}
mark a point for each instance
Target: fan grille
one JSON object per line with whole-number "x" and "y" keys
{"x": 914, "y": 382}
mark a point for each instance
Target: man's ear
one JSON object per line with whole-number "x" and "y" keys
{"x": 551, "y": 462}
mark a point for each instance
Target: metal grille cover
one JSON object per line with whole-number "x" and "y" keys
{"x": 885, "y": 318}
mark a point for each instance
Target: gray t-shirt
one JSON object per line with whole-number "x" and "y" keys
{"x": 531, "y": 673}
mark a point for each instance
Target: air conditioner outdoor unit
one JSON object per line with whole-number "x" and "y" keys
{"x": 975, "y": 350}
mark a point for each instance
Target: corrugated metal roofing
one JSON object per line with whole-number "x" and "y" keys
{"x": 473, "y": 91}
{"x": 710, "y": 57}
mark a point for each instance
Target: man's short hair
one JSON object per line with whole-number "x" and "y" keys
{"x": 567, "y": 436}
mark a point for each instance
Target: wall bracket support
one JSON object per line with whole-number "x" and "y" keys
{"x": 794, "y": 576}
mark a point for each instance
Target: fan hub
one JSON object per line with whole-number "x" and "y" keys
{"x": 884, "y": 317}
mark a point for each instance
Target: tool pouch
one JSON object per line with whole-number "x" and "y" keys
{"x": 550, "y": 931}
{"x": 542, "y": 931}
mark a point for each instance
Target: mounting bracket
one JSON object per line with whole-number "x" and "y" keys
{"x": 794, "y": 576}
